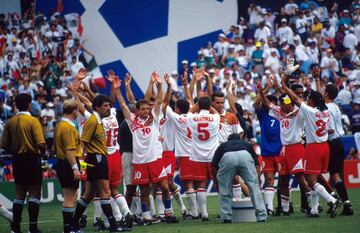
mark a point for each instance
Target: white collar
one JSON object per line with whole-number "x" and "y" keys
{"x": 98, "y": 118}
{"x": 23, "y": 113}
{"x": 223, "y": 113}
{"x": 68, "y": 121}
{"x": 204, "y": 111}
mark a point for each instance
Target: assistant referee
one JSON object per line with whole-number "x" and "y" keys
{"x": 23, "y": 138}
{"x": 68, "y": 151}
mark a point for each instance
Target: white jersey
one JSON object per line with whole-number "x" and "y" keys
{"x": 181, "y": 133}
{"x": 167, "y": 132}
{"x": 291, "y": 125}
{"x": 316, "y": 124}
{"x": 145, "y": 135}
{"x": 80, "y": 121}
{"x": 111, "y": 127}
{"x": 204, "y": 129}
{"x": 335, "y": 121}
{"x": 229, "y": 124}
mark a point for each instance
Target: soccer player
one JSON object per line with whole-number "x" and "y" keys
{"x": 145, "y": 133}
{"x": 68, "y": 151}
{"x": 204, "y": 127}
{"x": 316, "y": 118}
{"x": 111, "y": 127}
{"x": 23, "y": 138}
{"x": 270, "y": 148}
{"x": 93, "y": 141}
{"x": 336, "y": 162}
{"x": 229, "y": 124}
{"x": 291, "y": 160}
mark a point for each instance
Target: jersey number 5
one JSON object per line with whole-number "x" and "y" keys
{"x": 321, "y": 127}
{"x": 204, "y": 134}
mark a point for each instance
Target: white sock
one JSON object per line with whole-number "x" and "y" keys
{"x": 97, "y": 209}
{"x": 160, "y": 208}
{"x": 201, "y": 198}
{"x": 290, "y": 193}
{"x": 179, "y": 200}
{"x": 152, "y": 204}
{"x": 191, "y": 195}
{"x": 321, "y": 191}
{"x": 314, "y": 202}
{"x": 285, "y": 203}
{"x": 121, "y": 202}
{"x": 269, "y": 197}
{"x": 6, "y": 213}
{"x": 115, "y": 209}
{"x": 236, "y": 190}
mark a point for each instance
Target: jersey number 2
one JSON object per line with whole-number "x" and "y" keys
{"x": 204, "y": 134}
{"x": 321, "y": 127}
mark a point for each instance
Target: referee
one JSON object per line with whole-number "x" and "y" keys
{"x": 93, "y": 142}
{"x": 23, "y": 138}
{"x": 68, "y": 150}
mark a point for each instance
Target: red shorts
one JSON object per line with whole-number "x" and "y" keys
{"x": 292, "y": 159}
{"x": 201, "y": 171}
{"x": 185, "y": 168}
{"x": 316, "y": 158}
{"x": 270, "y": 163}
{"x": 115, "y": 168}
{"x": 152, "y": 172}
{"x": 169, "y": 161}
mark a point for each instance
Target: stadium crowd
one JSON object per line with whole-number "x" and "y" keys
{"x": 40, "y": 56}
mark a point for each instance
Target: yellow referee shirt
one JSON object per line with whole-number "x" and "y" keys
{"x": 66, "y": 137}
{"x": 94, "y": 135}
{"x": 22, "y": 134}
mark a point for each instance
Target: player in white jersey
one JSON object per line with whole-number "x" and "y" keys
{"x": 229, "y": 124}
{"x": 336, "y": 162}
{"x": 316, "y": 162}
{"x": 111, "y": 127}
{"x": 145, "y": 133}
{"x": 293, "y": 152}
{"x": 204, "y": 128}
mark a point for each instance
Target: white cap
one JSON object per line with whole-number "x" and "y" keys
{"x": 184, "y": 62}
{"x": 174, "y": 72}
{"x": 211, "y": 71}
{"x": 264, "y": 11}
{"x": 50, "y": 104}
{"x": 193, "y": 64}
{"x": 267, "y": 72}
{"x": 200, "y": 52}
{"x": 283, "y": 20}
{"x": 231, "y": 46}
{"x": 222, "y": 35}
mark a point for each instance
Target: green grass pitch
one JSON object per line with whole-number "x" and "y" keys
{"x": 51, "y": 221}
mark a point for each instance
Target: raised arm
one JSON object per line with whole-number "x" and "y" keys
{"x": 316, "y": 74}
{"x": 167, "y": 97}
{"x": 129, "y": 94}
{"x": 150, "y": 90}
{"x": 263, "y": 98}
{"x": 289, "y": 92}
{"x": 188, "y": 96}
{"x": 209, "y": 84}
{"x": 231, "y": 98}
{"x": 159, "y": 96}
{"x": 192, "y": 84}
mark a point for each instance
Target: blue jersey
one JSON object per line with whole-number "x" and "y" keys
{"x": 270, "y": 133}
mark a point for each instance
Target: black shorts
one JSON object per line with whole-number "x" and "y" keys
{"x": 27, "y": 169}
{"x": 65, "y": 174}
{"x": 336, "y": 161}
{"x": 100, "y": 171}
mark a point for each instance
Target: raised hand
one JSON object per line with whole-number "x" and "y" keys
{"x": 81, "y": 74}
{"x": 128, "y": 79}
{"x": 158, "y": 80}
{"x": 274, "y": 81}
{"x": 167, "y": 79}
{"x": 259, "y": 86}
{"x": 198, "y": 74}
{"x": 111, "y": 76}
{"x": 117, "y": 83}
{"x": 184, "y": 78}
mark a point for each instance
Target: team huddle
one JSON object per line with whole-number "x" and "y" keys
{"x": 145, "y": 141}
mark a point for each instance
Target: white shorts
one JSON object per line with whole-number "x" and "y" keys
{"x": 127, "y": 168}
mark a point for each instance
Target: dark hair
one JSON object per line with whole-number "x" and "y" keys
{"x": 204, "y": 103}
{"x": 141, "y": 102}
{"x": 272, "y": 98}
{"x": 318, "y": 100}
{"x": 22, "y": 101}
{"x": 331, "y": 91}
{"x": 217, "y": 94}
{"x": 99, "y": 100}
{"x": 296, "y": 86}
{"x": 183, "y": 105}
{"x": 151, "y": 99}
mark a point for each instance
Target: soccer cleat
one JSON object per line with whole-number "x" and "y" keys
{"x": 99, "y": 225}
{"x": 129, "y": 219}
{"x": 270, "y": 212}
{"x": 138, "y": 220}
{"x": 190, "y": 217}
{"x": 291, "y": 208}
{"x": 160, "y": 217}
{"x": 116, "y": 229}
{"x": 347, "y": 210}
{"x": 320, "y": 209}
{"x": 83, "y": 221}
{"x": 286, "y": 213}
{"x": 227, "y": 221}
{"x": 171, "y": 219}
{"x": 204, "y": 219}
{"x": 151, "y": 221}
{"x": 333, "y": 207}
{"x": 184, "y": 214}
{"x": 310, "y": 215}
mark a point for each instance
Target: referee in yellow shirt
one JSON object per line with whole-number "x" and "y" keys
{"x": 23, "y": 138}
{"x": 93, "y": 140}
{"x": 68, "y": 151}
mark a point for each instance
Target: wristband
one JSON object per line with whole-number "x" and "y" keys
{"x": 75, "y": 167}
